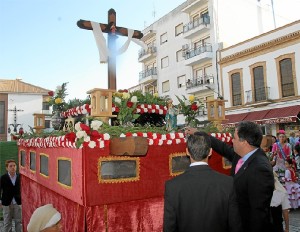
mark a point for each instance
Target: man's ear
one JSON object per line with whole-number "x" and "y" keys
{"x": 187, "y": 152}
{"x": 210, "y": 153}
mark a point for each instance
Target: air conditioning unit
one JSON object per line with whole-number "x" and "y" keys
{"x": 185, "y": 47}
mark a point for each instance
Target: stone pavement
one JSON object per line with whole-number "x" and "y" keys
{"x": 294, "y": 221}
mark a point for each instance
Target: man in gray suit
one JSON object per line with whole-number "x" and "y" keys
{"x": 200, "y": 199}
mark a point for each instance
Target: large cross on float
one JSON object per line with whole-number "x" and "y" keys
{"x": 109, "y": 55}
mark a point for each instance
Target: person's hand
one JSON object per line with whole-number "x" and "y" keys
{"x": 190, "y": 130}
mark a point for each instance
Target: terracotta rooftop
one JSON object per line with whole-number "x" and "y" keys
{"x": 18, "y": 86}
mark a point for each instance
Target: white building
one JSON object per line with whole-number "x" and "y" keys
{"x": 184, "y": 45}
{"x": 18, "y": 102}
{"x": 260, "y": 78}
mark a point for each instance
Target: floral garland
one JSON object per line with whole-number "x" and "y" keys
{"x": 140, "y": 109}
{"x": 88, "y": 136}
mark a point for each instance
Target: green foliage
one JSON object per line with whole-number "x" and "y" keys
{"x": 58, "y": 98}
{"x": 190, "y": 109}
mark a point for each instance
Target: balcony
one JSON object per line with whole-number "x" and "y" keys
{"x": 194, "y": 6}
{"x": 199, "y": 84}
{"x": 198, "y": 55}
{"x": 261, "y": 96}
{"x": 193, "y": 28}
{"x": 147, "y": 35}
{"x": 146, "y": 55}
{"x": 148, "y": 76}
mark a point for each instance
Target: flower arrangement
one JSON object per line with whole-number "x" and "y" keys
{"x": 126, "y": 104}
{"x": 57, "y": 98}
{"x": 130, "y": 106}
{"x": 190, "y": 109}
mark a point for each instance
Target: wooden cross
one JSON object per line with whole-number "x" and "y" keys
{"x": 112, "y": 30}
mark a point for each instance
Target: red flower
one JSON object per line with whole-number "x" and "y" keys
{"x": 194, "y": 107}
{"x": 95, "y": 135}
{"x": 51, "y": 93}
{"x": 71, "y": 137}
{"x": 129, "y": 104}
{"x": 125, "y": 90}
{"x": 85, "y": 128}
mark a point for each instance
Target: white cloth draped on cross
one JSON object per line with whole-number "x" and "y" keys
{"x": 101, "y": 42}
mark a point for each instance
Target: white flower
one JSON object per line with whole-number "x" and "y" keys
{"x": 92, "y": 144}
{"x": 96, "y": 124}
{"x": 160, "y": 142}
{"x": 77, "y": 126}
{"x": 150, "y": 142}
{"x": 101, "y": 144}
{"x": 134, "y": 99}
{"x": 87, "y": 139}
{"x": 81, "y": 134}
{"x": 169, "y": 142}
{"x": 122, "y": 135}
{"x": 118, "y": 100}
{"x": 106, "y": 136}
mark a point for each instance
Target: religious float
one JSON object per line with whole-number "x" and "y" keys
{"x": 107, "y": 181}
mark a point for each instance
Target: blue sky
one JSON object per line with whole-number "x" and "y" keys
{"x": 41, "y": 44}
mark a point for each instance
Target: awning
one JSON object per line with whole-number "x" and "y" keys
{"x": 272, "y": 116}
{"x": 256, "y": 116}
{"x": 282, "y": 115}
{"x": 233, "y": 119}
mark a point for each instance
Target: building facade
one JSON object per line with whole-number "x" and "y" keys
{"x": 18, "y": 102}
{"x": 184, "y": 45}
{"x": 260, "y": 78}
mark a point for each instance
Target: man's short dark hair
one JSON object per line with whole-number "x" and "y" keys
{"x": 251, "y": 132}
{"x": 297, "y": 148}
{"x": 199, "y": 145}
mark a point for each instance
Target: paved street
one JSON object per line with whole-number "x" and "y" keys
{"x": 294, "y": 221}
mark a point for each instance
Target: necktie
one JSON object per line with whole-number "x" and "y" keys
{"x": 239, "y": 165}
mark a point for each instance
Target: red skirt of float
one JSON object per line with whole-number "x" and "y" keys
{"x": 102, "y": 192}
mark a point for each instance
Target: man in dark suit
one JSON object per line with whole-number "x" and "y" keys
{"x": 253, "y": 175}
{"x": 11, "y": 197}
{"x": 200, "y": 199}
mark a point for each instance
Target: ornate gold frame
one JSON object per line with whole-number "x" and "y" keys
{"x": 171, "y": 156}
{"x": 43, "y": 154}
{"x": 121, "y": 180}
{"x": 61, "y": 184}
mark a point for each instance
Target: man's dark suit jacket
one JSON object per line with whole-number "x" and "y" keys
{"x": 254, "y": 184}
{"x": 201, "y": 199}
{"x": 8, "y": 190}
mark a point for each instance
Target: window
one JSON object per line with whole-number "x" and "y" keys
{"x": 165, "y": 62}
{"x": 286, "y": 77}
{"x": 165, "y": 86}
{"x": 118, "y": 170}
{"x": 46, "y": 106}
{"x": 23, "y": 158}
{"x": 163, "y": 38}
{"x": 47, "y": 123}
{"x": 259, "y": 83}
{"x": 236, "y": 89}
{"x": 64, "y": 172}
{"x": 179, "y": 56}
{"x": 181, "y": 81}
{"x": 32, "y": 161}
{"x": 179, "y": 163}
{"x": 44, "y": 170}
{"x": 179, "y": 29}
{"x": 2, "y": 117}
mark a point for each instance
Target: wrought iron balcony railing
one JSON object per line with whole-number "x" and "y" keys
{"x": 193, "y": 24}
{"x": 200, "y": 81}
{"x": 147, "y": 73}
